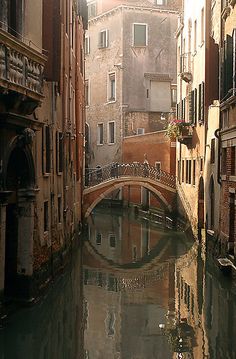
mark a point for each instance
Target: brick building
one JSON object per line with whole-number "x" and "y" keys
{"x": 227, "y": 128}
{"x": 130, "y": 73}
{"x": 158, "y": 151}
{"x": 41, "y": 138}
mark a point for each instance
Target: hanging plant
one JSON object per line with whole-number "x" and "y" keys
{"x": 175, "y": 128}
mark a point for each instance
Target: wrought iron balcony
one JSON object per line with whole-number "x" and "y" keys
{"x": 186, "y": 134}
{"x": 21, "y": 68}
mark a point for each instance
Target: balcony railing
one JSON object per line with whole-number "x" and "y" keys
{"x": 21, "y": 67}
{"x": 186, "y": 134}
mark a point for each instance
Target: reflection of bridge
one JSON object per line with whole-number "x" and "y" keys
{"x": 102, "y": 181}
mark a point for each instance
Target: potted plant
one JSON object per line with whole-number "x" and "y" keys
{"x": 177, "y": 128}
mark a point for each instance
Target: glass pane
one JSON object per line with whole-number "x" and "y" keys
{"x": 139, "y": 35}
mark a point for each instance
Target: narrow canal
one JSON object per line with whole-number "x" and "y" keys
{"x": 135, "y": 291}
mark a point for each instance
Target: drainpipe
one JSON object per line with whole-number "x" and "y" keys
{"x": 217, "y": 134}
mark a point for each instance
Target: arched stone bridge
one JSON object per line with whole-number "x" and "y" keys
{"x": 102, "y": 181}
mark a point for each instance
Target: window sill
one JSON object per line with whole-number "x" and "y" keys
{"x": 232, "y": 178}
{"x": 46, "y": 175}
{"x": 111, "y": 144}
{"x": 100, "y": 144}
{"x": 110, "y": 101}
{"x": 139, "y": 46}
{"x": 194, "y": 53}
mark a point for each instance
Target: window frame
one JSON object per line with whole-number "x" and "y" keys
{"x": 108, "y": 133}
{"x": 99, "y": 143}
{"x": 102, "y": 45}
{"x": 87, "y": 93}
{"x": 87, "y": 45}
{"x": 111, "y": 99}
{"x": 133, "y": 34}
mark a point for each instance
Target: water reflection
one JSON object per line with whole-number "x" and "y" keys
{"x": 50, "y": 329}
{"x": 149, "y": 294}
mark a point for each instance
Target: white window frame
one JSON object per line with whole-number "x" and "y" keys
{"x": 98, "y": 134}
{"x": 162, "y": 2}
{"x": 109, "y": 98}
{"x": 87, "y": 47}
{"x": 90, "y": 4}
{"x": 133, "y": 42}
{"x": 140, "y": 131}
{"x": 108, "y": 133}
{"x": 101, "y": 45}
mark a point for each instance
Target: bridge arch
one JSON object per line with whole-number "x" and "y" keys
{"x": 104, "y": 189}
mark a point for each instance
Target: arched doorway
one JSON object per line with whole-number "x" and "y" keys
{"x": 201, "y": 204}
{"x": 212, "y": 204}
{"x": 19, "y": 179}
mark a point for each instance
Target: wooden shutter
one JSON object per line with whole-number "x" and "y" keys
{"x": 195, "y": 106}
{"x": 234, "y": 62}
{"x": 191, "y": 106}
{"x": 202, "y": 112}
{"x": 229, "y": 64}
{"x": 199, "y": 101}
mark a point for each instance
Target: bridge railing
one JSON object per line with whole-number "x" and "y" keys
{"x": 94, "y": 176}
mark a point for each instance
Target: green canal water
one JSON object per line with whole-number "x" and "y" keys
{"x": 134, "y": 291}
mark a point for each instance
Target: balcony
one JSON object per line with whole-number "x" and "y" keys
{"x": 186, "y": 134}
{"x": 185, "y": 66}
{"x": 21, "y": 74}
{"x": 180, "y": 130}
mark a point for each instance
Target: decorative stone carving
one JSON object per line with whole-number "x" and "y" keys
{"x": 26, "y": 138}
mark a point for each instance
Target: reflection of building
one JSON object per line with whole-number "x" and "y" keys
{"x": 130, "y": 69}
{"x": 220, "y": 309}
{"x": 52, "y": 327}
{"x": 189, "y": 303}
{"x": 127, "y": 297}
{"x": 41, "y": 144}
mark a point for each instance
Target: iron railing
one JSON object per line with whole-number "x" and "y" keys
{"x": 94, "y": 176}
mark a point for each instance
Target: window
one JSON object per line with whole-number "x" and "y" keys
{"x": 232, "y": 161}
{"x": 160, "y": 2}
{"x": 98, "y": 238}
{"x": 213, "y": 150}
{"x": 87, "y": 45}
{"x": 195, "y": 36}
{"x": 173, "y": 96}
{"x": 188, "y": 172}
{"x": 59, "y": 208}
{"x": 100, "y": 134}
{"x": 201, "y": 98}
{"x": 46, "y": 163}
{"x": 112, "y": 240}
{"x": 223, "y": 161}
{"x": 194, "y": 172}
{"x": 92, "y": 9}
{"x": 139, "y": 34}
{"x": 59, "y": 145}
{"x": 182, "y": 171}
{"x": 225, "y": 119}
{"x": 140, "y": 131}
{"x": 86, "y": 92}
{"x": 202, "y": 25}
{"x": 45, "y": 216}
{"x": 103, "y": 39}
{"x": 111, "y": 132}
{"x": 112, "y": 87}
